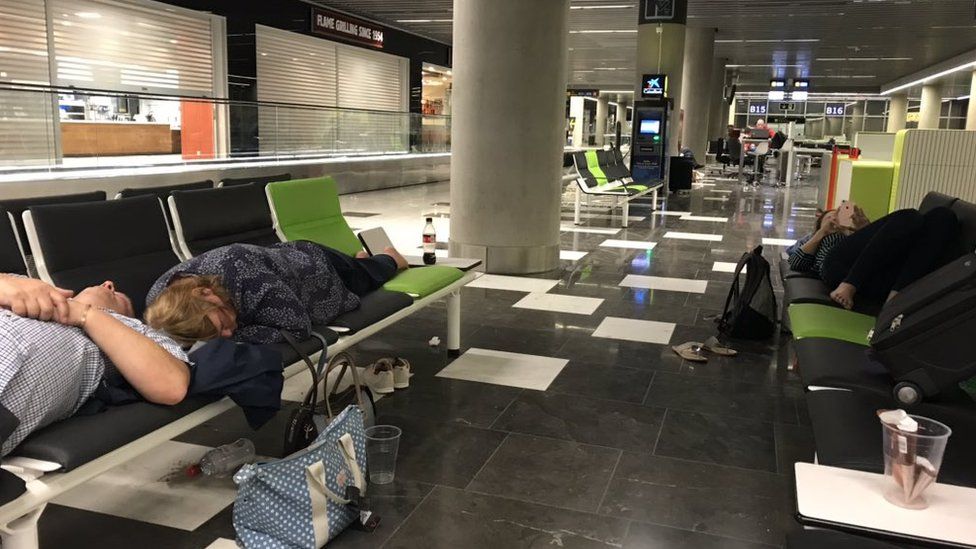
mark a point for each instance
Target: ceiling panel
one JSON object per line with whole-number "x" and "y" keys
{"x": 841, "y": 45}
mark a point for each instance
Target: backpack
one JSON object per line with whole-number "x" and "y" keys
{"x": 750, "y": 308}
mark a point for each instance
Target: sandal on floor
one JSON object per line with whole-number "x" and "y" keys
{"x": 712, "y": 345}
{"x": 691, "y": 351}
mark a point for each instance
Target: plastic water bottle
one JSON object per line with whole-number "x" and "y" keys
{"x": 225, "y": 459}
{"x": 430, "y": 242}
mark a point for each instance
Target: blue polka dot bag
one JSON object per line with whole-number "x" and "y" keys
{"x": 300, "y": 501}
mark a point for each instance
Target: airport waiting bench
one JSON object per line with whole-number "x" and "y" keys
{"x": 603, "y": 174}
{"x": 79, "y": 245}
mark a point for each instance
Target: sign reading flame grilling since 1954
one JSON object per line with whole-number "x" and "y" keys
{"x": 338, "y": 25}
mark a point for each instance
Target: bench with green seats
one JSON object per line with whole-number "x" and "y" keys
{"x": 308, "y": 209}
{"x": 603, "y": 173}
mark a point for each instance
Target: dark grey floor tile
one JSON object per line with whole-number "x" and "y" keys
{"x": 441, "y": 453}
{"x": 450, "y": 401}
{"x": 79, "y": 529}
{"x": 450, "y": 519}
{"x": 651, "y": 536}
{"x": 725, "y": 501}
{"x": 723, "y": 440}
{"x": 721, "y": 397}
{"x": 603, "y": 381}
{"x": 581, "y": 419}
{"x": 392, "y": 503}
{"x": 531, "y": 340}
{"x": 632, "y": 354}
{"x": 793, "y": 443}
{"x": 562, "y": 474}
{"x": 231, "y": 425}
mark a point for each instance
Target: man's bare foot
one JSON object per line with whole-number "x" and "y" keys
{"x": 401, "y": 262}
{"x": 844, "y": 295}
{"x": 361, "y": 254}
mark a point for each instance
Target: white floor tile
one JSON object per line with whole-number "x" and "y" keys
{"x": 693, "y": 236}
{"x": 513, "y": 283}
{"x": 502, "y": 368}
{"x": 154, "y": 489}
{"x": 704, "y": 218}
{"x": 571, "y": 255}
{"x": 778, "y": 241}
{"x": 223, "y": 543}
{"x": 677, "y": 214}
{"x": 558, "y": 303}
{"x": 645, "y": 331}
{"x": 588, "y": 230}
{"x": 665, "y": 283}
{"x": 608, "y": 215}
{"x": 726, "y": 267}
{"x": 629, "y": 244}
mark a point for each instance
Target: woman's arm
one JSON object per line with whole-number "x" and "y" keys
{"x": 159, "y": 376}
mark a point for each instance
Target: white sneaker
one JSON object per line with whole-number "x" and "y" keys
{"x": 401, "y": 373}
{"x": 379, "y": 377}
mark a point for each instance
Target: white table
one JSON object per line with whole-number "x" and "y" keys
{"x": 830, "y": 496}
{"x": 465, "y": 264}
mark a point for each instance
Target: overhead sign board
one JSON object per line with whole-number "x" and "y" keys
{"x": 777, "y": 84}
{"x": 583, "y": 93}
{"x": 834, "y": 109}
{"x": 654, "y": 85}
{"x": 757, "y": 108}
{"x": 787, "y": 107}
{"x": 663, "y": 11}
{"x": 333, "y": 24}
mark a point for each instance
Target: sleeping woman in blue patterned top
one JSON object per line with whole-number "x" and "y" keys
{"x": 251, "y": 293}
{"x": 55, "y": 350}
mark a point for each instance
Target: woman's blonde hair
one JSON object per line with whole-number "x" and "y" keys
{"x": 181, "y": 311}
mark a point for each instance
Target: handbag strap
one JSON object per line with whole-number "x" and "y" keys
{"x": 311, "y": 396}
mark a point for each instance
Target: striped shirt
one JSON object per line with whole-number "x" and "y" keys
{"x": 813, "y": 263}
{"x": 48, "y": 370}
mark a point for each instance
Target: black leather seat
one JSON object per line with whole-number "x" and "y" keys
{"x": 373, "y": 307}
{"x": 259, "y": 181}
{"x": 11, "y": 486}
{"x": 211, "y": 218}
{"x": 834, "y": 363}
{"x": 11, "y": 260}
{"x": 162, "y": 193}
{"x": 17, "y": 207}
{"x": 848, "y": 435}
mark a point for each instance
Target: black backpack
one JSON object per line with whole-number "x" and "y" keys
{"x": 750, "y": 308}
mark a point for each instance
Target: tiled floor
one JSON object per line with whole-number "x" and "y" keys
{"x": 567, "y": 421}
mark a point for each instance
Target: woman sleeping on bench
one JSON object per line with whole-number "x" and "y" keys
{"x": 250, "y": 293}
{"x": 876, "y": 260}
{"x": 56, "y": 351}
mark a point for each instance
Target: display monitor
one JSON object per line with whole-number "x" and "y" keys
{"x": 650, "y": 126}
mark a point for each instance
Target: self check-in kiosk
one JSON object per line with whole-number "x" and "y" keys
{"x": 649, "y": 150}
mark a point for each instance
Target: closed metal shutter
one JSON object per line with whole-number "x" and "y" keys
{"x": 299, "y": 69}
{"x": 132, "y": 47}
{"x": 26, "y": 117}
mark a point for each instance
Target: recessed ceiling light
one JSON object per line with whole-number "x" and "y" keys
{"x": 424, "y": 20}
{"x": 89, "y": 14}
{"x": 937, "y": 75}
{"x": 600, "y": 31}
{"x": 609, "y": 7}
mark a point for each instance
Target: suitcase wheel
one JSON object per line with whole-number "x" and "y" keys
{"x": 907, "y": 393}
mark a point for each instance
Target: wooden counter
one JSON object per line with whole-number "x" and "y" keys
{"x": 115, "y": 138}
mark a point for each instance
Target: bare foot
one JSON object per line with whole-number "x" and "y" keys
{"x": 361, "y": 254}
{"x": 844, "y": 294}
{"x": 401, "y": 262}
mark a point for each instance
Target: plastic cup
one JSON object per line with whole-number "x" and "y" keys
{"x": 912, "y": 461}
{"x": 382, "y": 443}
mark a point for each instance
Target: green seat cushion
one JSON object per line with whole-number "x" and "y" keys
{"x": 871, "y": 187}
{"x": 638, "y": 188}
{"x": 812, "y": 320}
{"x": 423, "y": 281}
{"x": 593, "y": 164}
{"x": 308, "y": 209}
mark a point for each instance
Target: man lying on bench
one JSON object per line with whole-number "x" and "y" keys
{"x": 56, "y": 351}
{"x": 251, "y": 293}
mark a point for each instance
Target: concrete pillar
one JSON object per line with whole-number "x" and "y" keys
{"x": 696, "y": 87}
{"x": 602, "y": 110}
{"x": 621, "y": 117}
{"x": 897, "y": 112}
{"x": 718, "y": 116}
{"x": 857, "y": 120}
{"x": 971, "y": 113}
{"x": 931, "y": 107}
{"x": 577, "y": 113}
{"x": 508, "y": 103}
{"x": 661, "y": 50}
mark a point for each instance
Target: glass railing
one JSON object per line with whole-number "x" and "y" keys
{"x": 59, "y": 129}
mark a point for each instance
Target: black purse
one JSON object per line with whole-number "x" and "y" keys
{"x": 306, "y": 422}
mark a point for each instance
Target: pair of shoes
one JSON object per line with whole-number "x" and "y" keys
{"x": 388, "y": 374}
{"x": 692, "y": 350}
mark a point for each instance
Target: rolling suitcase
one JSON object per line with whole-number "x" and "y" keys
{"x": 924, "y": 335}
